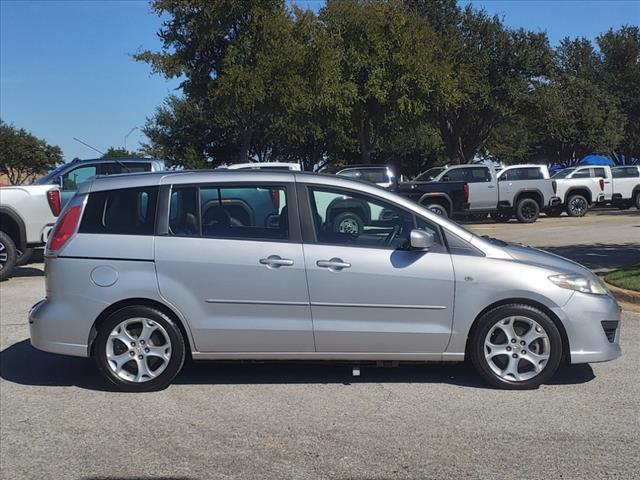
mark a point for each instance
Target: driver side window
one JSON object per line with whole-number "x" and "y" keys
{"x": 347, "y": 218}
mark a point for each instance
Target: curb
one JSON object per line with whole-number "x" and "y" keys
{"x": 624, "y": 295}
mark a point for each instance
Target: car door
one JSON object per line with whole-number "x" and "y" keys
{"x": 483, "y": 194}
{"x": 599, "y": 172}
{"x": 232, "y": 263}
{"x": 369, "y": 292}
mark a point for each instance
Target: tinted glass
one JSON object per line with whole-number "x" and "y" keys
{"x": 625, "y": 172}
{"x": 183, "y": 212}
{"x": 522, "y": 174}
{"x": 470, "y": 174}
{"x": 130, "y": 211}
{"x": 429, "y": 174}
{"x": 599, "y": 172}
{"x": 75, "y": 177}
{"x": 345, "y": 218}
{"x": 563, "y": 173}
{"x": 582, "y": 174}
{"x": 126, "y": 167}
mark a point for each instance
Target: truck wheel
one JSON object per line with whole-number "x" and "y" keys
{"x": 437, "y": 209}
{"x": 24, "y": 257}
{"x": 501, "y": 216}
{"x": 636, "y": 200}
{"x": 8, "y": 256}
{"x": 527, "y": 210}
{"x": 577, "y": 206}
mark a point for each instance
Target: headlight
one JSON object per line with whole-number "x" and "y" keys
{"x": 579, "y": 284}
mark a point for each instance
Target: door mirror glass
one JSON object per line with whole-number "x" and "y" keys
{"x": 421, "y": 240}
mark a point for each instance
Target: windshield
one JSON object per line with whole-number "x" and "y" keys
{"x": 563, "y": 173}
{"x": 48, "y": 178}
{"x": 429, "y": 174}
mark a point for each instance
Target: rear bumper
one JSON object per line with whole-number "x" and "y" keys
{"x": 46, "y": 334}
{"x": 582, "y": 317}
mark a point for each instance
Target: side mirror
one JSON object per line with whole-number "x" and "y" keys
{"x": 421, "y": 240}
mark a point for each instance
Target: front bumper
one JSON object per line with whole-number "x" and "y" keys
{"x": 46, "y": 334}
{"x": 589, "y": 339}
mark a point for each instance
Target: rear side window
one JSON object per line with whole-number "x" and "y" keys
{"x": 128, "y": 211}
{"x": 625, "y": 172}
{"x": 251, "y": 212}
{"x": 522, "y": 174}
{"x": 471, "y": 175}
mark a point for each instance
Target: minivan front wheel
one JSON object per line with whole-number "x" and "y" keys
{"x": 516, "y": 347}
{"x": 139, "y": 349}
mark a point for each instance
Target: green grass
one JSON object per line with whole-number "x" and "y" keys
{"x": 628, "y": 278}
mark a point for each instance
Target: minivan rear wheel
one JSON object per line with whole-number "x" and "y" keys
{"x": 139, "y": 349}
{"x": 516, "y": 347}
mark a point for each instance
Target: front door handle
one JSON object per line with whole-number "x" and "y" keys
{"x": 335, "y": 264}
{"x": 276, "y": 261}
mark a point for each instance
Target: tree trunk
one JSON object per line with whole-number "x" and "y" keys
{"x": 364, "y": 140}
{"x": 245, "y": 145}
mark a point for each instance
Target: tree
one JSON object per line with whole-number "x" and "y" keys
{"x": 118, "y": 152}
{"x": 495, "y": 69}
{"x": 620, "y": 57}
{"x": 23, "y": 156}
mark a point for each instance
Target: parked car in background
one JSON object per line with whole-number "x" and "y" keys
{"x": 381, "y": 175}
{"x": 622, "y": 186}
{"x": 128, "y": 288}
{"x": 69, "y": 175}
{"x": 578, "y": 189}
{"x": 27, "y": 214}
{"x": 430, "y": 174}
{"x": 443, "y": 199}
{"x": 265, "y": 166}
{"x": 520, "y": 190}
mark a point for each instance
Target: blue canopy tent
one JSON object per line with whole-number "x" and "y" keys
{"x": 595, "y": 159}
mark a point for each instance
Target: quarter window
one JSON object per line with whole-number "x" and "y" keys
{"x": 129, "y": 211}
{"x": 625, "y": 172}
{"x": 346, "y": 218}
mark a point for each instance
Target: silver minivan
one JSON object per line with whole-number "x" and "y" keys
{"x": 144, "y": 270}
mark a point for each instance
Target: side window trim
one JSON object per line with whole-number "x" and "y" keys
{"x": 309, "y": 236}
{"x": 164, "y": 203}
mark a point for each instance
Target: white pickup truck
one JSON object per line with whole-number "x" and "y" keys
{"x": 520, "y": 190}
{"x": 583, "y": 186}
{"x": 27, "y": 214}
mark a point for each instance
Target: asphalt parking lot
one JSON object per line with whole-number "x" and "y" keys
{"x": 58, "y": 420}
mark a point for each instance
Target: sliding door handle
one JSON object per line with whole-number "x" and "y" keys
{"x": 276, "y": 261}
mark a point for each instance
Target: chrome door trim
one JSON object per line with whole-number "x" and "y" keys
{"x": 379, "y": 305}
{"x": 254, "y": 302}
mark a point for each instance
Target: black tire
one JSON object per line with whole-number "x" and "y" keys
{"x": 577, "y": 206}
{"x": 177, "y": 349}
{"x": 501, "y": 216}
{"x": 527, "y": 210}
{"x": 8, "y": 256}
{"x": 438, "y": 209}
{"x": 636, "y": 200}
{"x": 554, "y": 212}
{"x": 349, "y": 223}
{"x": 476, "y": 347}
{"x": 476, "y": 217}
{"x": 25, "y": 257}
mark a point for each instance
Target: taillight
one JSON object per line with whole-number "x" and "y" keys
{"x": 602, "y": 184}
{"x": 554, "y": 185}
{"x": 466, "y": 192}
{"x": 65, "y": 227}
{"x": 54, "y": 202}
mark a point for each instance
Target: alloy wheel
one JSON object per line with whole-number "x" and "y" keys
{"x": 4, "y": 255}
{"x": 517, "y": 348}
{"x": 348, "y": 225}
{"x": 138, "y": 350}
{"x": 578, "y": 206}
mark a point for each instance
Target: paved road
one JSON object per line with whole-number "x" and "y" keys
{"x": 259, "y": 421}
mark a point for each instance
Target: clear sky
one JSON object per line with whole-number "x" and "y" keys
{"x": 66, "y": 70}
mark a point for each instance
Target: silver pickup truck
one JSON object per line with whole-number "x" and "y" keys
{"x": 520, "y": 190}
{"x": 27, "y": 214}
